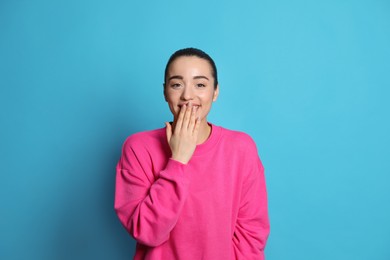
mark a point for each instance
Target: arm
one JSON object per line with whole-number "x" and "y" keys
{"x": 149, "y": 208}
{"x": 252, "y": 226}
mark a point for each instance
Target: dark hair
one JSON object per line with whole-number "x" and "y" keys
{"x": 193, "y": 52}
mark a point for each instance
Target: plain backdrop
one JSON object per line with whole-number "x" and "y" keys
{"x": 308, "y": 80}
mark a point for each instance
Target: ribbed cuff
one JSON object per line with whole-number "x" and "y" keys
{"x": 175, "y": 170}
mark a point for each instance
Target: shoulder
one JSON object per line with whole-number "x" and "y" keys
{"x": 241, "y": 145}
{"x": 237, "y": 138}
{"x": 145, "y": 138}
{"x": 144, "y": 149}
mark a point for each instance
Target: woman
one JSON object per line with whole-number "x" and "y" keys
{"x": 192, "y": 190}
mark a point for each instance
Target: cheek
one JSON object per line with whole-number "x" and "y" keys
{"x": 207, "y": 99}
{"x": 172, "y": 97}
{"x": 174, "y": 109}
{"x": 170, "y": 100}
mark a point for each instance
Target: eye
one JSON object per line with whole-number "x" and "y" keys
{"x": 175, "y": 85}
{"x": 200, "y": 85}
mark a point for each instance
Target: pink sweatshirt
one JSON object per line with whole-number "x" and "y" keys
{"x": 214, "y": 207}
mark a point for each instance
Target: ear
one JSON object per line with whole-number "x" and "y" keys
{"x": 165, "y": 94}
{"x": 216, "y": 93}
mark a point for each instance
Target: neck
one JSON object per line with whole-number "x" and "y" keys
{"x": 204, "y": 132}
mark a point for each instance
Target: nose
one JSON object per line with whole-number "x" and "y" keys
{"x": 187, "y": 93}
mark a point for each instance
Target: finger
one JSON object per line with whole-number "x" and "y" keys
{"x": 197, "y": 127}
{"x": 193, "y": 119}
{"x": 168, "y": 131}
{"x": 179, "y": 123}
{"x": 187, "y": 116}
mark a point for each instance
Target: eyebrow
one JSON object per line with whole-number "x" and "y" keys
{"x": 175, "y": 77}
{"x": 201, "y": 77}
{"x": 181, "y": 77}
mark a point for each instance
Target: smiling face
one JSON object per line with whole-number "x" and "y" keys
{"x": 190, "y": 81}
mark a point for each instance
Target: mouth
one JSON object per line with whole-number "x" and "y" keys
{"x": 193, "y": 105}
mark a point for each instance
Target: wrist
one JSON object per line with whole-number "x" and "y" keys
{"x": 180, "y": 159}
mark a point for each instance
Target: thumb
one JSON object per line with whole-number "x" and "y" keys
{"x": 168, "y": 131}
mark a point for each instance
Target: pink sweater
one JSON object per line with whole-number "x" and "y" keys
{"x": 214, "y": 207}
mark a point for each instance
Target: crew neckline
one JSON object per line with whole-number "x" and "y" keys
{"x": 210, "y": 142}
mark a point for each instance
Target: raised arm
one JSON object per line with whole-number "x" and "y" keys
{"x": 149, "y": 209}
{"x": 147, "y": 206}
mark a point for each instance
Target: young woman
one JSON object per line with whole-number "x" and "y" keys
{"x": 192, "y": 190}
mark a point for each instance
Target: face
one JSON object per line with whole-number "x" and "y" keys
{"x": 190, "y": 81}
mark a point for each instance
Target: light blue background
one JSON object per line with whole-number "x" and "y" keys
{"x": 308, "y": 80}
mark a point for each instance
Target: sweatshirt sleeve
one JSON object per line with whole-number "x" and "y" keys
{"x": 148, "y": 207}
{"x": 252, "y": 225}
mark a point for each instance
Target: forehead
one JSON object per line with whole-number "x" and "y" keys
{"x": 190, "y": 65}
